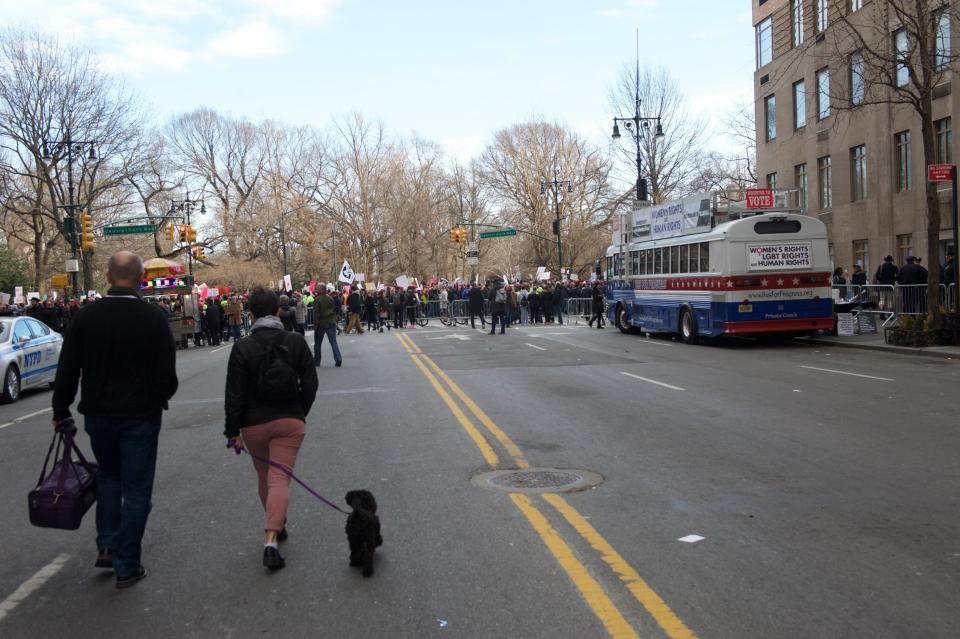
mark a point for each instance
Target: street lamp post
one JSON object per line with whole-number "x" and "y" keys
{"x": 555, "y": 185}
{"x": 67, "y": 148}
{"x": 634, "y": 125}
{"x": 186, "y": 207}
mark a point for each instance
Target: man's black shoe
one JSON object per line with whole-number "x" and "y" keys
{"x": 104, "y": 559}
{"x": 282, "y": 535}
{"x": 272, "y": 558}
{"x": 339, "y": 364}
{"x": 126, "y": 582}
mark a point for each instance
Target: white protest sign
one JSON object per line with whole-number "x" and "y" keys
{"x": 4, "y": 298}
{"x": 18, "y": 295}
{"x": 346, "y": 273}
{"x": 844, "y": 324}
{"x": 403, "y": 281}
{"x": 777, "y": 257}
{"x": 287, "y": 283}
{"x": 360, "y": 277}
{"x": 33, "y": 294}
{"x": 213, "y": 292}
{"x": 540, "y": 271}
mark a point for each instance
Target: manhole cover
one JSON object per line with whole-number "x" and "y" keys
{"x": 538, "y": 480}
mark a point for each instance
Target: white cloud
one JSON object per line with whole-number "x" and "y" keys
{"x": 251, "y": 40}
{"x": 464, "y": 149}
{"x": 317, "y": 9}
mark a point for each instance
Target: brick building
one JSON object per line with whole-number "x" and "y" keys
{"x": 859, "y": 166}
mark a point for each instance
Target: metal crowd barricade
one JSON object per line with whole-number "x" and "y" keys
{"x": 948, "y": 298}
{"x": 910, "y": 299}
{"x": 579, "y": 307}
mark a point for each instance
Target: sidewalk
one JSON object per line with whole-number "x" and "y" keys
{"x": 874, "y": 342}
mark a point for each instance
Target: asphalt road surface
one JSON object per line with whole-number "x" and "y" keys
{"x": 748, "y": 490}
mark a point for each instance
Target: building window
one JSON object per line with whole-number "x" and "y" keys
{"x": 799, "y": 105}
{"x": 944, "y": 141}
{"x": 764, "y": 42}
{"x": 833, "y": 256}
{"x": 821, "y": 7}
{"x": 858, "y": 172}
{"x": 904, "y": 247}
{"x": 771, "y": 180}
{"x": 856, "y": 5}
{"x": 943, "y": 41}
{"x": 825, "y": 180}
{"x": 900, "y": 54}
{"x": 796, "y": 13}
{"x": 857, "y": 83}
{"x": 800, "y": 179}
{"x": 861, "y": 254}
{"x": 902, "y": 145}
{"x": 823, "y": 93}
{"x": 770, "y": 115}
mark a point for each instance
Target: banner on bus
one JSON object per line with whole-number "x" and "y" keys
{"x": 680, "y": 217}
{"x": 775, "y": 257}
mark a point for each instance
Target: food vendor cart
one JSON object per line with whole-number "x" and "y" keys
{"x": 166, "y": 284}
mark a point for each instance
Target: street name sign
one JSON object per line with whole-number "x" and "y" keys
{"x": 130, "y": 230}
{"x": 939, "y": 172}
{"x": 759, "y": 198}
{"x": 503, "y": 233}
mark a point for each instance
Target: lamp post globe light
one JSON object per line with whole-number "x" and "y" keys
{"x": 186, "y": 207}
{"x": 67, "y": 149}
{"x": 555, "y": 185}
{"x": 635, "y": 126}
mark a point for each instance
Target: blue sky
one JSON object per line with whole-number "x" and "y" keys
{"x": 452, "y": 72}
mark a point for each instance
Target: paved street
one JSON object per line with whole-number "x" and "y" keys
{"x": 823, "y": 481}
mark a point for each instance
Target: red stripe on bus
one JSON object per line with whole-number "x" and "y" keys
{"x": 780, "y": 325}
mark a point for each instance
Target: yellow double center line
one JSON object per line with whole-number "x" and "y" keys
{"x": 598, "y": 600}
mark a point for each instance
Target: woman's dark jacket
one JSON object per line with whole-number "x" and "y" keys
{"x": 242, "y": 405}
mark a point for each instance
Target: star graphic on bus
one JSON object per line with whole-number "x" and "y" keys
{"x": 729, "y": 283}
{"x": 779, "y": 281}
{"x": 763, "y": 282}
{"x": 796, "y": 281}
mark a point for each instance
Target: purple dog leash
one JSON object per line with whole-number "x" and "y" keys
{"x": 290, "y": 474}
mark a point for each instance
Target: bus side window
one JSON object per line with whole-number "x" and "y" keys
{"x": 704, "y": 257}
{"x": 634, "y": 262}
{"x": 657, "y": 261}
{"x": 675, "y": 259}
{"x": 647, "y": 268}
{"x": 684, "y": 261}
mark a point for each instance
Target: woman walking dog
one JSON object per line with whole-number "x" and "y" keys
{"x": 271, "y": 385}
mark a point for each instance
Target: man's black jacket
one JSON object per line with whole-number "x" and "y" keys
{"x": 124, "y": 349}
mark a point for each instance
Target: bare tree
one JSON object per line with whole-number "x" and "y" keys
{"x": 51, "y": 93}
{"x": 515, "y": 164}
{"x": 735, "y": 171}
{"x": 669, "y": 161}
{"x": 896, "y": 52}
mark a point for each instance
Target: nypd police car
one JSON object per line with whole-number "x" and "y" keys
{"x": 29, "y": 352}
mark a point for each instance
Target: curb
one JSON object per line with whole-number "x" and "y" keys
{"x": 899, "y": 350}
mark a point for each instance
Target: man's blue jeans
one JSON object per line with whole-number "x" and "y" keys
{"x": 126, "y": 451}
{"x": 558, "y": 312}
{"x": 318, "y": 334}
{"x": 235, "y": 331}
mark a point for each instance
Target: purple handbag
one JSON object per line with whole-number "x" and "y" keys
{"x": 62, "y": 497}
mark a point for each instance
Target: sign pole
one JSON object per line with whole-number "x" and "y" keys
{"x": 953, "y": 198}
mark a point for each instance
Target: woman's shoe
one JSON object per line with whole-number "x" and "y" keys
{"x": 272, "y": 558}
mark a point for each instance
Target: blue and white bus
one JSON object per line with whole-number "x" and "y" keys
{"x": 766, "y": 273}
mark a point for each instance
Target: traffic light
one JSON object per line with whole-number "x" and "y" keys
{"x": 191, "y": 234}
{"x": 456, "y": 235}
{"x": 183, "y": 233}
{"x": 200, "y": 255}
{"x": 86, "y": 231}
{"x": 168, "y": 232}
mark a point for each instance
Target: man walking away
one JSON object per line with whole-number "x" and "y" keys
{"x": 354, "y": 306}
{"x": 325, "y": 325}
{"x": 475, "y": 302}
{"x": 412, "y": 304}
{"x": 597, "y": 306}
{"x": 559, "y": 299}
{"x": 498, "y": 306}
{"x": 886, "y": 275}
{"x": 235, "y": 317}
{"x": 524, "y": 307}
{"x": 299, "y": 314}
{"x": 121, "y": 352}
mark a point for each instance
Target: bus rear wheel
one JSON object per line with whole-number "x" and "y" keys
{"x": 688, "y": 326}
{"x": 620, "y": 318}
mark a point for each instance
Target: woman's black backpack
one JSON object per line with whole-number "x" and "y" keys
{"x": 277, "y": 380}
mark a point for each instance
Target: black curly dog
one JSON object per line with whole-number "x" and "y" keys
{"x": 363, "y": 529}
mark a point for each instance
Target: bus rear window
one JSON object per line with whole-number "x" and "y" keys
{"x": 767, "y": 227}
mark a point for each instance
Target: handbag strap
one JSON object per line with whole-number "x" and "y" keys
{"x": 54, "y": 442}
